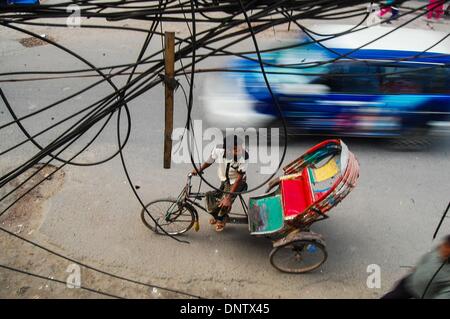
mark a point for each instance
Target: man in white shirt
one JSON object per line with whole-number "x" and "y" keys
{"x": 231, "y": 157}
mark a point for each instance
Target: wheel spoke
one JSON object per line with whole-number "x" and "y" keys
{"x": 299, "y": 256}
{"x": 169, "y": 215}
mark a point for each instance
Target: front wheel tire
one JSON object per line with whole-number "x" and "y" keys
{"x": 169, "y": 217}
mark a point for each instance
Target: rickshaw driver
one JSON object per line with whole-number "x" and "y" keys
{"x": 231, "y": 157}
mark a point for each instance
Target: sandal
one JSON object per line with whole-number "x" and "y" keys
{"x": 212, "y": 221}
{"x": 220, "y": 225}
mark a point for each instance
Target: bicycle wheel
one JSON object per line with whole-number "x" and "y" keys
{"x": 298, "y": 256}
{"x": 174, "y": 217}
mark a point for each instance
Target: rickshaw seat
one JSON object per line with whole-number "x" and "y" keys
{"x": 297, "y": 195}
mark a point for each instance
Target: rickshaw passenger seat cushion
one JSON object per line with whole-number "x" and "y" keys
{"x": 297, "y": 195}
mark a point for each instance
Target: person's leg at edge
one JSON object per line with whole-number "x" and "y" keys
{"x": 399, "y": 291}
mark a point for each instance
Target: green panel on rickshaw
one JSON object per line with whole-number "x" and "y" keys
{"x": 265, "y": 214}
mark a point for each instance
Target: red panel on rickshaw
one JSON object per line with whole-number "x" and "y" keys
{"x": 296, "y": 194}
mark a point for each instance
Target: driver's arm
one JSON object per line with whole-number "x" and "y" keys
{"x": 236, "y": 184}
{"x": 211, "y": 159}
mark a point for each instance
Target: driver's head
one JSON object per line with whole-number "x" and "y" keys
{"x": 444, "y": 248}
{"x": 234, "y": 146}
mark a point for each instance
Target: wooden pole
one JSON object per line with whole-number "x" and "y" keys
{"x": 169, "y": 72}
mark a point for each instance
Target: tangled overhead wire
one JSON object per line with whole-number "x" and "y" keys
{"x": 156, "y": 12}
{"x": 222, "y": 29}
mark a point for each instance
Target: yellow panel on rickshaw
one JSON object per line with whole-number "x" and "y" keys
{"x": 325, "y": 172}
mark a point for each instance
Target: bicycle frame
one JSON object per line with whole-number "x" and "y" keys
{"x": 189, "y": 197}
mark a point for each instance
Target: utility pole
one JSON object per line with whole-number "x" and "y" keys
{"x": 169, "y": 88}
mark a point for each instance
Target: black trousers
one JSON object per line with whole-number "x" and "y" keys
{"x": 219, "y": 213}
{"x": 399, "y": 292}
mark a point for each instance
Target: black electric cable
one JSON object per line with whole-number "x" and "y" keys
{"x": 120, "y": 145}
{"x": 149, "y": 285}
{"x": 25, "y": 272}
{"x": 81, "y": 59}
{"x": 441, "y": 221}
{"x": 262, "y": 66}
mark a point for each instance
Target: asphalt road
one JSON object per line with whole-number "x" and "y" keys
{"x": 387, "y": 220}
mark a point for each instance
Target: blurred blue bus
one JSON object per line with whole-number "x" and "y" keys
{"x": 397, "y": 86}
{"x": 22, "y": 2}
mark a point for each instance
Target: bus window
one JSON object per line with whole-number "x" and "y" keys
{"x": 397, "y": 81}
{"x": 353, "y": 77}
{"x": 439, "y": 81}
{"x": 430, "y": 81}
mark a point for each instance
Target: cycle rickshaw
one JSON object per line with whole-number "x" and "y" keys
{"x": 310, "y": 186}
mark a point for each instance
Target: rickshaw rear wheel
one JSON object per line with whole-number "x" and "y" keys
{"x": 180, "y": 220}
{"x": 293, "y": 256}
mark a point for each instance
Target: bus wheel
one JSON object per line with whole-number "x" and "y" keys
{"x": 414, "y": 140}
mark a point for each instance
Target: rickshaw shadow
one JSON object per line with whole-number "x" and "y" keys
{"x": 254, "y": 252}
